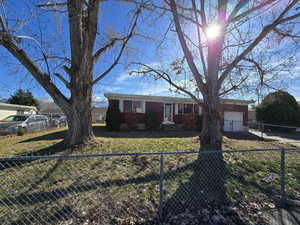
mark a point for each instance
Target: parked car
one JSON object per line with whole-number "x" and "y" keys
{"x": 26, "y": 123}
{"x": 59, "y": 121}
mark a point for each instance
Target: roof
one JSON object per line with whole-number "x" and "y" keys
{"x": 167, "y": 99}
{"x": 14, "y": 106}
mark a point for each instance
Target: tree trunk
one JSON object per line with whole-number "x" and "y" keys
{"x": 211, "y": 136}
{"x": 79, "y": 114}
{"x": 79, "y": 125}
{"x": 211, "y": 166}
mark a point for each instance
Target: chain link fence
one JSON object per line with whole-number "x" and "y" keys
{"x": 235, "y": 187}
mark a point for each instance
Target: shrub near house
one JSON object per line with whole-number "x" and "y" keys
{"x": 279, "y": 108}
{"x": 152, "y": 121}
{"x": 113, "y": 118}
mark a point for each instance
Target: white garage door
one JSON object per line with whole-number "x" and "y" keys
{"x": 233, "y": 121}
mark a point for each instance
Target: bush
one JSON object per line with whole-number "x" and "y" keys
{"x": 152, "y": 121}
{"x": 279, "y": 108}
{"x": 131, "y": 120}
{"x": 113, "y": 117}
{"x": 191, "y": 121}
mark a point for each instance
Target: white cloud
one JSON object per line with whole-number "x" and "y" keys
{"x": 104, "y": 89}
{"x": 123, "y": 77}
{"x": 152, "y": 88}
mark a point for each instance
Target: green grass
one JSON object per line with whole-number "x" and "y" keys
{"x": 115, "y": 189}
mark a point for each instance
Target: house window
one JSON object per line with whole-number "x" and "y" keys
{"x": 127, "y": 106}
{"x": 134, "y": 106}
{"x": 188, "y": 108}
{"x": 137, "y": 106}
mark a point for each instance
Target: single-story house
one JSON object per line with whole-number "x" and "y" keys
{"x": 171, "y": 110}
{"x": 12, "y": 109}
{"x": 98, "y": 114}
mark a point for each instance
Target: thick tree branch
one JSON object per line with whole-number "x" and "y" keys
{"x": 234, "y": 18}
{"x": 100, "y": 77}
{"x": 52, "y": 4}
{"x": 186, "y": 51}
{"x": 202, "y": 13}
{"x": 200, "y": 49}
{"x": 265, "y": 31}
{"x": 42, "y": 78}
{"x": 60, "y": 77}
{"x": 83, "y": 23}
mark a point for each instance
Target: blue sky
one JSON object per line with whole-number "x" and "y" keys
{"x": 115, "y": 19}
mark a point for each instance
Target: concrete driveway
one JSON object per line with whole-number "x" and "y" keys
{"x": 291, "y": 138}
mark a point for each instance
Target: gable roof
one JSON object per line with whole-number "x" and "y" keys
{"x": 167, "y": 99}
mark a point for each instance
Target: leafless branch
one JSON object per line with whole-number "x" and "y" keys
{"x": 200, "y": 49}
{"x": 109, "y": 45}
{"x": 186, "y": 51}
{"x": 265, "y": 31}
{"x": 52, "y": 4}
{"x": 60, "y": 77}
{"x": 285, "y": 34}
{"x": 163, "y": 75}
{"x": 234, "y": 87}
{"x": 41, "y": 77}
{"x": 234, "y": 18}
{"x": 100, "y": 77}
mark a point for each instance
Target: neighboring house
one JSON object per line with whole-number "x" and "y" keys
{"x": 171, "y": 110}
{"x": 12, "y": 109}
{"x": 98, "y": 115}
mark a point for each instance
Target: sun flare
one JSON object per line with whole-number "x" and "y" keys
{"x": 213, "y": 31}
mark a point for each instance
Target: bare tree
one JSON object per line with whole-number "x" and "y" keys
{"x": 78, "y": 75}
{"x": 224, "y": 47}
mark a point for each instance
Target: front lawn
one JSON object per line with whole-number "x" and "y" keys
{"x": 124, "y": 190}
{"x": 118, "y": 142}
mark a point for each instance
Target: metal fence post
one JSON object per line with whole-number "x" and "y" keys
{"x": 161, "y": 187}
{"x": 262, "y": 130}
{"x": 282, "y": 179}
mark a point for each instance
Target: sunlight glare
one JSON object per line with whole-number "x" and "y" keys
{"x": 213, "y": 31}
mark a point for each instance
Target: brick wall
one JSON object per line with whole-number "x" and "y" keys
{"x": 159, "y": 108}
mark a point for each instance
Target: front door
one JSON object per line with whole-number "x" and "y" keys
{"x": 168, "y": 112}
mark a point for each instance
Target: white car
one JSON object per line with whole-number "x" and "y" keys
{"x": 28, "y": 123}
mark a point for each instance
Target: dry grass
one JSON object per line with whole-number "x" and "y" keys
{"x": 113, "y": 190}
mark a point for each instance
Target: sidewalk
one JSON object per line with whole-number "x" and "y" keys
{"x": 281, "y": 137}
